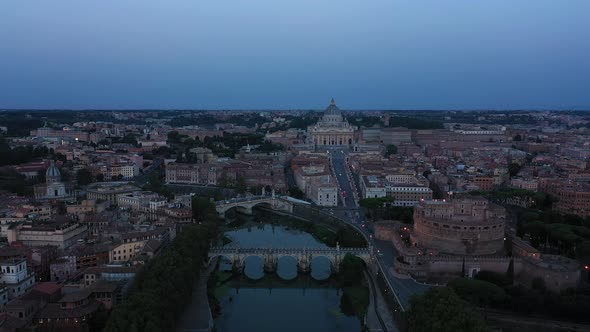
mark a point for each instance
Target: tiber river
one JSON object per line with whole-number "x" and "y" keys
{"x": 284, "y": 301}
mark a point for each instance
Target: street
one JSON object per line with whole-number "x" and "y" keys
{"x": 386, "y": 253}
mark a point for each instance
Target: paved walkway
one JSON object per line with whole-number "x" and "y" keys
{"x": 197, "y": 315}
{"x": 379, "y": 317}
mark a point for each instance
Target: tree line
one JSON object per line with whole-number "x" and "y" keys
{"x": 162, "y": 289}
{"x": 21, "y": 154}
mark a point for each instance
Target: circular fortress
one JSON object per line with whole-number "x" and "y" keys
{"x": 466, "y": 226}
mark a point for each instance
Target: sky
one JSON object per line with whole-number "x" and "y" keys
{"x": 295, "y": 54}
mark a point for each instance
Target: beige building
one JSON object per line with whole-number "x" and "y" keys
{"x": 323, "y": 191}
{"x": 59, "y": 235}
{"x": 530, "y": 184}
{"x": 108, "y": 191}
{"x": 202, "y": 174}
{"x": 372, "y": 187}
{"x": 408, "y": 190}
{"x": 332, "y": 129}
{"x": 141, "y": 200}
{"x": 316, "y": 180}
{"x": 408, "y": 194}
{"x": 472, "y": 226}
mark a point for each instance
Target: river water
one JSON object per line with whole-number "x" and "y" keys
{"x": 285, "y": 301}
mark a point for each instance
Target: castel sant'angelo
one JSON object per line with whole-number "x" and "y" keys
{"x": 458, "y": 237}
{"x": 471, "y": 226}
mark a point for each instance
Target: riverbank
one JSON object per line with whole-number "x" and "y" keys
{"x": 198, "y": 316}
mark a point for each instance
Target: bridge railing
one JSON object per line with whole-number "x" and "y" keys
{"x": 320, "y": 249}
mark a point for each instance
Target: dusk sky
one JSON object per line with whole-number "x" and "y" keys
{"x": 372, "y": 54}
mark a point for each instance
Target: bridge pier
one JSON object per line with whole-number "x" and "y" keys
{"x": 238, "y": 266}
{"x": 270, "y": 262}
{"x": 304, "y": 263}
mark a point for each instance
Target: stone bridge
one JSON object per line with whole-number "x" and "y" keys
{"x": 245, "y": 205}
{"x": 304, "y": 256}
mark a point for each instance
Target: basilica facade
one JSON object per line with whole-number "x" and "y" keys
{"x": 332, "y": 129}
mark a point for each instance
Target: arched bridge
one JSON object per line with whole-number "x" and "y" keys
{"x": 245, "y": 205}
{"x": 304, "y": 256}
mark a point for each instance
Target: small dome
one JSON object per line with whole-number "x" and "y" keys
{"x": 52, "y": 171}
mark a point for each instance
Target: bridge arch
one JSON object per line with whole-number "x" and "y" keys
{"x": 253, "y": 266}
{"x": 220, "y": 256}
{"x": 245, "y": 205}
{"x": 321, "y": 267}
{"x": 264, "y": 204}
{"x": 287, "y": 267}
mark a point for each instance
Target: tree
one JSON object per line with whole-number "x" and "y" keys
{"x": 12, "y": 181}
{"x": 441, "y": 310}
{"x": 539, "y": 284}
{"x": 510, "y": 271}
{"x": 375, "y": 206}
{"x": 241, "y": 185}
{"x": 517, "y": 138}
{"x": 499, "y": 279}
{"x": 390, "y": 149}
{"x": 203, "y": 209}
{"x": 174, "y": 137}
{"x": 478, "y": 292}
{"x": 513, "y": 169}
{"x": 41, "y": 176}
{"x": 164, "y": 286}
{"x": 155, "y": 184}
{"x": 351, "y": 270}
{"x": 84, "y": 177}
{"x": 295, "y": 192}
{"x": 463, "y": 268}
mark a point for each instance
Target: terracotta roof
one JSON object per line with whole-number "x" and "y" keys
{"x": 111, "y": 269}
{"x": 10, "y": 323}
{"x": 47, "y": 287}
{"x": 103, "y": 286}
{"x": 53, "y": 310}
{"x": 75, "y": 297}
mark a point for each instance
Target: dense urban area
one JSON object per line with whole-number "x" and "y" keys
{"x": 426, "y": 220}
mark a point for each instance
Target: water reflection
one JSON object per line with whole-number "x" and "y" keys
{"x": 287, "y": 268}
{"x": 271, "y": 236}
{"x": 321, "y": 268}
{"x": 254, "y": 267}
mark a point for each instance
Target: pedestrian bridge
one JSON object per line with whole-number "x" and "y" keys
{"x": 245, "y": 205}
{"x": 303, "y": 256}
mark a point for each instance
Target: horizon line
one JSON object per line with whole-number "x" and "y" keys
{"x": 291, "y": 110}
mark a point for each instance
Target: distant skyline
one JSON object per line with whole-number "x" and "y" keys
{"x": 206, "y": 54}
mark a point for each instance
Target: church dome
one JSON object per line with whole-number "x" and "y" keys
{"x": 332, "y": 109}
{"x": 52, "y": 173}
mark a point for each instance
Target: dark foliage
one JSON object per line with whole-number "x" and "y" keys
{"x": 164, "y": 286}
{"x": 441, "y": 309}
